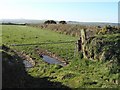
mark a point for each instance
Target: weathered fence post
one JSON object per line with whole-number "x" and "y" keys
{"x": 80, "y": 44}
{"x": 83, "y": 42}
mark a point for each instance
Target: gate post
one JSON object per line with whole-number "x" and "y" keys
{"x": 83, "y": 42}
{"x": 79, "y": 45}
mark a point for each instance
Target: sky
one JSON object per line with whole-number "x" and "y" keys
{"x": 69, "y": 10}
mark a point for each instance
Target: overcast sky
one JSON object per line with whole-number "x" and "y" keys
{"x": 70, "y": 10}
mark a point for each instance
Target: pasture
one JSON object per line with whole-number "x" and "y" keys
{"x": 30, "y": 35}
{"x": 78, "y": 73}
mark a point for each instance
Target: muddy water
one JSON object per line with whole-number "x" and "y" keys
{"x": 27, "y": 64}
{"x": 51, "y": 60}
{"x": 47, "y": 59}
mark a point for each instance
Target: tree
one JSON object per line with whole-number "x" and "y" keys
{"x": 50, "y": 22}
{"x": 62, "y": 22}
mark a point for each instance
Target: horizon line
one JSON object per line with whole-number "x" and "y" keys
{"x": 58, "y": 20}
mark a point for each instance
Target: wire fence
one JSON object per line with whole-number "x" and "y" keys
{"x": 63, "y": 49}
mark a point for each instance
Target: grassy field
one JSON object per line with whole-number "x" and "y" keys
{"x": 30, "y": 35}
{"x": 24, "y": 34}
{"x": 78, "y": 74}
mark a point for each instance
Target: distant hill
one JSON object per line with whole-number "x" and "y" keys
{"x": 92, "y": 23}
{"x": 22, "y": 21}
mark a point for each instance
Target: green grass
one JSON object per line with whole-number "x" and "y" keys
{"x": 24, "y": 34}
{"x": 79, "y": 73}
{"x": 29, "y": 35}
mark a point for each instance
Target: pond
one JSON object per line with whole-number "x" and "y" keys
{"x": 51, "y": 60}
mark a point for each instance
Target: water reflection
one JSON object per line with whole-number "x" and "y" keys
{"x": 51, "y": 60}
{"x": 27, "y": 64}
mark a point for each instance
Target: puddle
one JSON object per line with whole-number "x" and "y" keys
{"x": 27, "y": 64}
{"x": 51, "y": 60}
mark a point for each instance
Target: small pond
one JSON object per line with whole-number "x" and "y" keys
{"x": 51, "y": 60}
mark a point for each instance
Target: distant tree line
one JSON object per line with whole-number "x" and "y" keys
{"x": 54, "y": 22}
{"x": 9, "y": 23}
